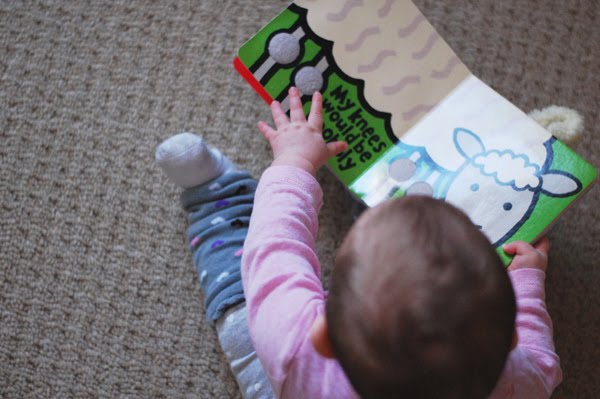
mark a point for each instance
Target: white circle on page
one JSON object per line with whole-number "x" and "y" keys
{"x": 402, "y": 169}
{"x": 284, "y": 48}
{"x": 308, "y": 80}
{"x": 420, "y": 188}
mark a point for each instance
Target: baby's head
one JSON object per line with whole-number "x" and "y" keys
{"x": 420, "y": 304}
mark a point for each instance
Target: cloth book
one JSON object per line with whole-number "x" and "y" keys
{"x": 416, "y": 120}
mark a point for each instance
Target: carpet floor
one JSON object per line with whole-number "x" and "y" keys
{"x": 98, "y": 296}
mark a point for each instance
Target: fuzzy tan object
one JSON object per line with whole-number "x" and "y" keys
{"x": 564, "y": 123}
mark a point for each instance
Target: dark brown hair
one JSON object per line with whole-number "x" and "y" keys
{"x": 420, "y": 305}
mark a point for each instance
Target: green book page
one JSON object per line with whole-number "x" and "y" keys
{"x": 414, "y": 117}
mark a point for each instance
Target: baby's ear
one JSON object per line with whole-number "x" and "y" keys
{"x": 319, "y": 336}
{"x": 563, "y": 123}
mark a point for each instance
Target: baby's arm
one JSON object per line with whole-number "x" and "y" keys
{"x": 533, "y": 368}
{"x": 280, "y": 268}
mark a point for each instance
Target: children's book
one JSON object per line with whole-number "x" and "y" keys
{"x": 416, "y": 120}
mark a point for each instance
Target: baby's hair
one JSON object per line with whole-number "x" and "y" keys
{"x": 420, "y": 305}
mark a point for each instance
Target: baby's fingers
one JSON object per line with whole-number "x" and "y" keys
{"x": 266, "y": 130}
{"x": 315, "y": 117}
{"x": 279, "y": 117}
{"x": 296, "y": 110}
{"x": 517, "y": 248}
{"x": 526, "y": 256}
{"x": 336, "y": 147}
{"x": 543, "y": 246}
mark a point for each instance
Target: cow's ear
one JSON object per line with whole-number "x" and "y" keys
{"x": 560, "y": 184}
{"x": 468, "y": 143}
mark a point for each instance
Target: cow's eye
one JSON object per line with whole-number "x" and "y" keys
{"x": 474, "y": 187}
{"x": 507, "y": 206}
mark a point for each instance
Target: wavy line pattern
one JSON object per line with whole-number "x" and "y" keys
{"x": 343, "y": 13}
{"x": 410, "y": 28}
{"x": 373, "y": 30}
{"x": 416, "y": 110}
{"x": 419, "y": 55}
{"x": 447, "y": 70}
{"x": 398, "y": 87}
{"x": 377, "y": 61}
{"x": 385, "y": 10}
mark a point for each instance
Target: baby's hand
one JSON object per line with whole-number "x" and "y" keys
{"x": 528, "y": 256}
{"x": 296, "y": 141}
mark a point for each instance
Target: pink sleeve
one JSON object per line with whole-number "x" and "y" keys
{"x": 280, "y": 269}
{"x": 533, "y": 367}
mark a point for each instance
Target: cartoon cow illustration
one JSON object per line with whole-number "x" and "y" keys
{"x": 498, "y": 189}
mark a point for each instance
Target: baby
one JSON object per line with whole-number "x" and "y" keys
{"x": 419, "y": 304}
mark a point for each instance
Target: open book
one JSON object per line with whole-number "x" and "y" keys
{"x": 415, "y": 118}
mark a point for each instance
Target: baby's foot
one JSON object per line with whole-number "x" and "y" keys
{"x": 188, "y": 161}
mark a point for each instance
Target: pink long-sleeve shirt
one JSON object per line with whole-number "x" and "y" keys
{"x": 284, "y": 294}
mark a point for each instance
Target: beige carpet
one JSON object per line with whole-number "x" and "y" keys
{"x": 99, "y": 297}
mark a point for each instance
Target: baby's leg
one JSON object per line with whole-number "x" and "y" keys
{"x": 245, "y": 365}
{"x": 218, "y": 200}
{"x": 218, "y": 214}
